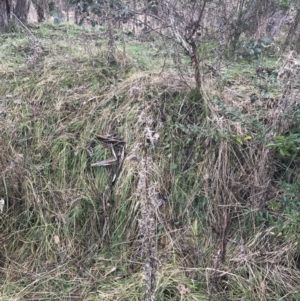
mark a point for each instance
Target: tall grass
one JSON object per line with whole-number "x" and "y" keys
{"x": 181, "y": 217}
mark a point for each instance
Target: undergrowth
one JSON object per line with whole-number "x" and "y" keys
{"x": 109, "y": 168}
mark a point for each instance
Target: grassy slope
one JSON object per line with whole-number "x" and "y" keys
{"x": 68, "y": 234}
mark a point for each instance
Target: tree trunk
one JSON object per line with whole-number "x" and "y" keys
{"x": 67, "y": 9}
{"x": 110, "y": 35}
{"x": 196, "y": 64}
{"x": 134, "y": 20}
{"x": 293, "y": 35}
{"x": 39, "y": 6}
{"x": 22, "y": 9}
{"x": 4, "y": 15}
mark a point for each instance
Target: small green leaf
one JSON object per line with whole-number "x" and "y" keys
{"x": 57, "y": 21}
{"x": 266, "y": 95}
{"x": 239, "y": 140}
{"x": 284, "y": 152}
{"x": 280, "y": 139}
{"x": 266, "y": 41}
{"x": 257, "y": 50}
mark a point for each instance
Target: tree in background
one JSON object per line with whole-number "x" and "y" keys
{"x": 187, "y": 23}
{"x": 10, "y": 9}
{"x": 294, "y": 31}
{"x": 40, "y": 7}
{"x": 21, "y": 10}
{"x": 177, "y": 21}
{"x": 4, "y": 15}
{"x": 184, "y": 21}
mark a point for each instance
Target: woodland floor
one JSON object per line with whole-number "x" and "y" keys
{"x": 97, "y": 152}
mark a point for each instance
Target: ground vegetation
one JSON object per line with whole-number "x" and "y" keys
{"x": 153, "y": 155}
